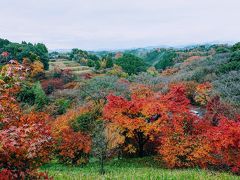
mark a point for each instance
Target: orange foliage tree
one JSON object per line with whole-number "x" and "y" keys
{"x": 221, "y": 128}
{"x": 137, "y": 118}
{"x": 72, "y": 147}
{"x": 225, "y": 142}
{"x": 179, "y": 144}
{"x": 37, "y": 69}
{"x": 142, "y": 116}
{"x": 165, "y": 119}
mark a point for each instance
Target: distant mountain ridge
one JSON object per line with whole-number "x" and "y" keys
{"x": 62, "y": 50}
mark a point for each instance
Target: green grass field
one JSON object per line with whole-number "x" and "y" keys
{"x": 140, "y": 169}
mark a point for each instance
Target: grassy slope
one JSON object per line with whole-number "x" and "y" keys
{"x": 144, "y": 168}
{"x": 72, "y": 65}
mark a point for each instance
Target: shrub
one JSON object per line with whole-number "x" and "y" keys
{"x": 190, "y": 87}
{"x": 73, "y": 147}
{"x": 85, "y": 122}
{"x": 231, "y": 66}
{"x": 56, "y": 73}
{"x": 37, "y": 69}
{"x": 152, "y": 71}
{"x": 33, "y": 95}
{"x": 227, "y": 86}
{"x": 98, "y": 88}
{"x": 66, "y": 75}
{"x": 40, "y": 96}
{"x": 216, "y": 108}
{"x": 63, "y": 105}
{"x": 203, "y": 93}
{"x": 200, "y": 70}
{"x": 156, "y": 83}
{"x": 50, "y": 85}
{"x": 26, "y": 94}
{"x": 83, "y": 61}
{"x": 25, "y": 141}
{"x": 65, "y": 120}
{"x": 170, "y": 71}
{"x": 117, "y": 71}
{"x": 199, "y": 74}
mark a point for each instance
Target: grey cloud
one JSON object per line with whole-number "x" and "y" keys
{"x": 109, "y": 24}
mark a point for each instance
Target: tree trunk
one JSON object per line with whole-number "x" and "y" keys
{"x": 119, "y": 153}
{"x": 102, "y": 171}
{"x": 140, "y": 144}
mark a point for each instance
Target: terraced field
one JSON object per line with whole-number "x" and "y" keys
{"x": 67, "y": 64}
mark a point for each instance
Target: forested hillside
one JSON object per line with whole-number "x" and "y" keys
{"x": 144, "y": 108}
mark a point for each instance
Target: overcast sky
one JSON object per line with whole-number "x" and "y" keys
{"x": 111, "y": 24}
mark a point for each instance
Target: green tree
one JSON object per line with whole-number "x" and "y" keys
{"x": 3, "y": 42}
{"x": 36, "y": 52}
{"x": 97, "y": 65}
{"x": 132, "y": 64}
{"x": 42, "y": 52}
{"x": 109, "y": 63}
{"x": 166, "y": 60}
{"x": 236, "y": 47}
{"x": 33, "y": 94}
{"x": 235, "y": 56}
{"x": 90, "y": 63}
{"x": 40, "y": 96}
{"x": 85, "y": 122}
{"x": 222, "y": 49}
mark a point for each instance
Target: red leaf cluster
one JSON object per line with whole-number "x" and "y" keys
{"x": 182, "y": 138}
{"x": 143, "y": 117}
{"x": 74, "y": 147}
{"x": 25, "y": 139}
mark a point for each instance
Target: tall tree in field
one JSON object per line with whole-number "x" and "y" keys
{"x": 148, "y": 115}
{"x": 106, "y": 139}
{"x": 138, "y": 118}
